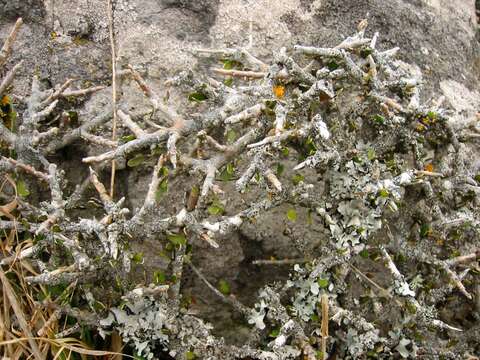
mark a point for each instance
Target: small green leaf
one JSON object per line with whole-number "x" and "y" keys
{"x": 280, "y": 169}
{"x": 378, "y": 119}
{"x": 383, "y": 193}
{"x": 432, "y": 115}
{"x": 127, "y": 138}
{"x": 292, "y": 215}
{"x": 164, "y": 171}
{"x": 364, "y": 253}
{"x": 323, "y": 283}
{"x": 156, "y": 151}
{"x": 135, "y": 161}
{"x": 285, "y": 151}
{"x": 411, "y": 308}
{"x": 163, "y": 186}
{"x": 137, "y": 356}
{"x": 25, "y": 224}
{"x": 159, "y": 277}
{"x": 227, "y": 172}
{"x": 371, "y": 154}
{"x": 228, "y": 81}
{"x": 22, "y": 188}
{"x": 177, "y": 239}
{"x": 365, "y": 52}
{"x": 12, "y": 117}
{"x": 274, "y": 333}
{"x": 425, "y": 230}
{"x": 224, "y": 287}
{"x": 229, "y": 64}
{"x": 297, "y": 178}
{"x": 73, "y": 117}
{"x": 190, "y": 355}
{"x": 162, "y": 189}
{"x": 310, "y": 146}
{"x": 231, "y": 136}
{"x": 197, "y": 97}
{"x": 332, "y": 65}
{"x": 138, "y": 258}
{"x": 215, "y": 209}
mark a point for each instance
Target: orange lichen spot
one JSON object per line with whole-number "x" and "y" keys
{"x": 5, "y": 100}
{"x": 279, "y": 91}
{"x": 429, "y": 167}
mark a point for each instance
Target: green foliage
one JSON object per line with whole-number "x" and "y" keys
{"x": 138, "y": 258}
{"x": 310, "y": 146}
{"x": 425, "y": 230}
{"x": 22, "y": 189}
{"x": 137, "y": 160}
{"x": 224, "y": 287}
{"x": 227, "y": 172}
{"x": 159, "y": 277}
{"x": 229, "y": 64}
{"x": 383, "y": 193}
{"x": 365, "y": 51}
{"x": 197, "y": 97}
{"x": 231, "y": 136}
{"x": 364, "y": 253}
{"x": 378, "y": 119}
{"x": 127, "y": 138}
{"x": 216, "y": 208}
{"x": 280, "y": 169}
{"x": 371, "y": 155}
{"x": 274, "y": 333}
{"x": 72, "y": 118}
{"x": 297, "y": 178}
{"x": 161, "y": 190}
{"x": 323, "y": 283}
{"x": 190, "y": 355}
{"x": 177, "y": 239}
{"x": 332, "y": 65}
{"x": 292, "y": 215}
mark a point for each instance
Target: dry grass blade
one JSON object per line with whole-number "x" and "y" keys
{"x": 20, "y": 316}
{"x": 6, "y": 209}
{"x": 114, "y": 86}
{"x": 7, "y": 46}
{"x": 324, "y": 327}
{"x": 116, "y": 345}
{"x": 65, "y": 343}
